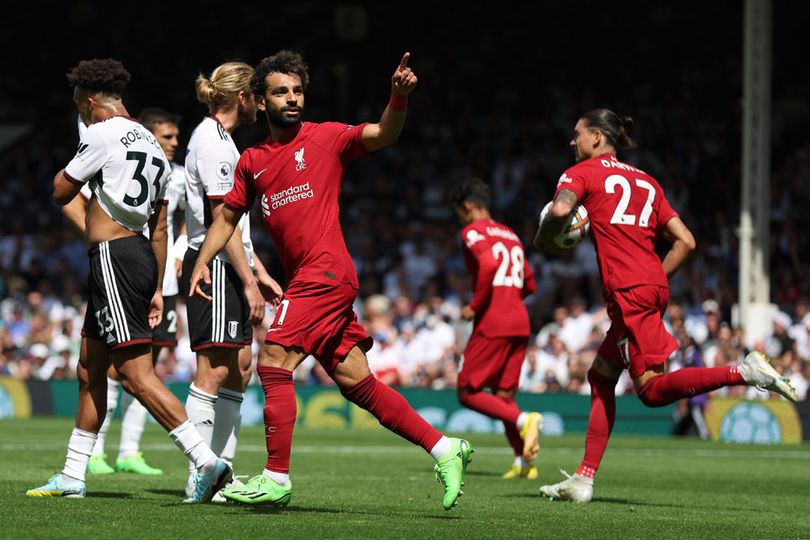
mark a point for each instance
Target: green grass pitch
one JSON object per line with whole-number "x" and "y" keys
{"x": 370, "y": 484}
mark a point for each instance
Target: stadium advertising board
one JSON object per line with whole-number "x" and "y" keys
{"x": 326, "y": 408}
{"x": 759, "y": 422}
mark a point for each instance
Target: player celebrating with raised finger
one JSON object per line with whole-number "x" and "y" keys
{"x": 296, "y": 174}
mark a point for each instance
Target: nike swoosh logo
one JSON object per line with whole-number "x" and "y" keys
{"x": 258, "y": 174}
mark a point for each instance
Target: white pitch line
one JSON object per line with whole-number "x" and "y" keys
{"x": 330, "y": 449}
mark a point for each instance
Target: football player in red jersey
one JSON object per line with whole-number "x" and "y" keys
{"x": 296, "y": 173}
{"x": 494, "y": 355}
{"x": 628, "y": 211}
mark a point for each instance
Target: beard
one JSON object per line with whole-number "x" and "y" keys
{"x": 246, "y": 116}
{"x": 277, "y": 118}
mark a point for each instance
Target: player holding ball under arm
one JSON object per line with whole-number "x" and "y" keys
{"x": 296, "y": 174}
{"x": 628, "y": 211}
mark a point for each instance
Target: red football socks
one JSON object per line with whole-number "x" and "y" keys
{"x": 279, "y": 416}
{"x": 393, "y": 412}
{"x": 499, "y": 408}
{"x": 491, "y": 405}
{"x": 511, "y": 431}
{"x": 600, "y": 422}
{"x": 687, "y": 382}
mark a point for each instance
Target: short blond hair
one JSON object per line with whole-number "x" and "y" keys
{"x": 220, "y": 89}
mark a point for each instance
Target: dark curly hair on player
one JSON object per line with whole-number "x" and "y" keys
{"x": 152, "y": 116}
{"x": 473, "y": 190}
{"x": 100, "y": 75}
{"x": 612, "y": 126}
{"x": 287, "y": 62}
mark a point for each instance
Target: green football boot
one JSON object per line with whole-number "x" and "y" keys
{"x": 450, "y": 471}
{"x": 260, "y": 490}
{"x": 136, "y": 464}
{"x": 98, "y": 465}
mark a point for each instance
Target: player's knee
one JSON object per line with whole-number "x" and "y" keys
{"x": 597, "y": 378}
{"x": 505, "y": 393}
{"x": 129, "y": 386}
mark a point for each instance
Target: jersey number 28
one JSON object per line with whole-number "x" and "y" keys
{"x": 510, "y": 267}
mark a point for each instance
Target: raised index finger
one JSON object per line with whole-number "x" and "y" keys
{"x": 404, "y": 62}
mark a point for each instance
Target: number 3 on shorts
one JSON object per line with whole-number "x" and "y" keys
{"x": 281, "y": 313}
{"x": 624, "y": 351}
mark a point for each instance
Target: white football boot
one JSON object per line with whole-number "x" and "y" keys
{"x": 235, "y": 483}
{"x": 757, "y": 371}
{"x": 575, "y": 488}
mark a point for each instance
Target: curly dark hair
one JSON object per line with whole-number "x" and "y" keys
{"x": 100, "y": 75}
{"x": 288, "y": 62}
{"x": 473, "y": 190}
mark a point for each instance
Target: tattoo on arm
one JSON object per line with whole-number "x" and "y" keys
{"x": 552, "y": 226}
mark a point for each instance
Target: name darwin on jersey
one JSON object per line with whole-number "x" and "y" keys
{"x": 608, "y": 164}
{"x": 137, "y": 134}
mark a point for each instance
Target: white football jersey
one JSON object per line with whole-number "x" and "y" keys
{"x": 125, "y": 167}
{"x": 176, "y": 194}
{"x": 210, "y": 162}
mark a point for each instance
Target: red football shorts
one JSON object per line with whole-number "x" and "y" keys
{"x": 319, "y": 318}
{"x": 637, "y": 339}
{"x": 492, "y": 362}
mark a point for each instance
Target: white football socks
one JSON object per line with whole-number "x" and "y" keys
{"x": 132, "y": 424}
{"x": 521, "y": 421}
{"x": 282, "y": 479}
{"x": 441, "y": 448}
{"x": 80, "y": 446}
{"x": 520, "y": 461}
{"x": 228, "y": 421}
{"x": 189, "y": 440}
{"x": 201, "y": 413}
{"x": 113, "y": 389}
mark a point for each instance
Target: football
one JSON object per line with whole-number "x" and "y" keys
{"x": 576, "y": 227}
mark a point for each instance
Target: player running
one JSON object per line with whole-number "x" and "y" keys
{"x": 128, "y": 174}
{"x": 165, "y": 127}
{"x": 501, "y": 278}
{"x": 296, "y": 174}
{"x": 220, "y": 331}
{"x": 628, "y": 211}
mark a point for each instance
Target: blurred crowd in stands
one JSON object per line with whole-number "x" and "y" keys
{"x": 403, "y": 236}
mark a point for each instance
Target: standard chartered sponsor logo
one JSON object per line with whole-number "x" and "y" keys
{"x": 290, "y": 195}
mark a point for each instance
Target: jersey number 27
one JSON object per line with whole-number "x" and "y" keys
{"x": 620, "y": 215}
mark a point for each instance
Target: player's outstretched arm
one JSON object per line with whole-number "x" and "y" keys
{"x": 215, "y": 239}
{"x": 64, "y": 190}
{"x": 683, "y": 245}
{"x": 386, "y": 132}
{"x": 564, "y": 203}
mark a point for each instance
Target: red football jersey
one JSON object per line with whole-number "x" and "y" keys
{"x": 298, "y": 186}
{"x": 501, "y": 278}
{"x": 627, "y": 208}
